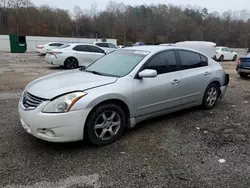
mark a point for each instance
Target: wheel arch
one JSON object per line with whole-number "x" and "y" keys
{"x": 116, "y": 101}
{"x": 69, "y": 58}
{"x": 217, "y": 83}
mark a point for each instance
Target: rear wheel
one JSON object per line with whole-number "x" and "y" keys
{"x": 105, "y": 124}
{"x": 234, "y": 58}
{"x": 71, "y": 63}
{"x": 243, "y": 75}
{"x": 211, "y": 96}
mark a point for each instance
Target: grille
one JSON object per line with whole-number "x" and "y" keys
{"x": 30, "y": 101}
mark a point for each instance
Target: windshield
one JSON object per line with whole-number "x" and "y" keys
{"x": 217, "y": 48}
{"x": 118, "y": 63}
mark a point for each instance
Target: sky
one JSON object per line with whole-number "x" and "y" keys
{"x": 211, "y": 5}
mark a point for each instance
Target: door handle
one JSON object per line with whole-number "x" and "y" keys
{"x": 175, "y": 81}
{"x": 207, "y": 73}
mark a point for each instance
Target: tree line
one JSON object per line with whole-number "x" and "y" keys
{"x": 151, "y": 24}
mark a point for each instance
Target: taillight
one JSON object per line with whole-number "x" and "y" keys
{"x": 238, "y": 61}
{"x": 40, "y": 47}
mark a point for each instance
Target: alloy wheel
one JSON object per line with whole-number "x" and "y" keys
{"x": 107, "y": 125}
{"x": 71, "y": 63}
{"x": 212, "y": 95}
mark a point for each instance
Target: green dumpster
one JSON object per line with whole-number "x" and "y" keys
{"x": 18, "y": 44}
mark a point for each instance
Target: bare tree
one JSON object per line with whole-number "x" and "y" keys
{"x": 5, "y": 5}
{"x": 17, "y": 6}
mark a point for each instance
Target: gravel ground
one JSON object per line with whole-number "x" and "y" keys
{"x": 183, "y": 149}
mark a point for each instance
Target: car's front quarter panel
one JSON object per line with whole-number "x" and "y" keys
{"x": 122, "y": 90}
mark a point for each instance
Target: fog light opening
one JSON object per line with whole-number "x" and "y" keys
{"x": 49, "y": 132}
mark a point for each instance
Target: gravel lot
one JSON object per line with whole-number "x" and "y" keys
{"x": 177, "y": 150}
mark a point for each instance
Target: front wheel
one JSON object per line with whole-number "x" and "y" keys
{"x": 221, "y": 58}
{"x": 210, "y": 97}
{"x": 234, "y": 58}
{"x": 105, "y": 124}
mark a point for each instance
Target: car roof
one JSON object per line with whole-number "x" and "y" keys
{"x": 196, "y": 42}
{"x": 158, "y": 48}
{"x": 55, "y": 42}
{"x": 103, "y": 42}
{"x": 82, "y": 43}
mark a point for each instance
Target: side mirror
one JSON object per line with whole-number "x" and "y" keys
{"x": 148, "y": 73}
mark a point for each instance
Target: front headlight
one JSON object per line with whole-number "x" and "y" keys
{"x": 63, "y": 103}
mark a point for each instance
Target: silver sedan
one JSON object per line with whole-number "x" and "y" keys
{"x": 120, "y": 89}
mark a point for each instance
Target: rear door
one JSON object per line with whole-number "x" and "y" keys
{"x": 195, "y": 76}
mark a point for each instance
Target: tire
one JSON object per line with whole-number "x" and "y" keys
{"x": 71, "y": 63}
{"x": 221, "y": 58}
{"x": 104, "y": 120}
{"x": 211, "y": 96}
{"x": 234, "y": 58}
{"x": 243, "y": 75}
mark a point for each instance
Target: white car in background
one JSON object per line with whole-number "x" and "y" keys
{"x": 206, "y": 47}
{"x": 43, "y": 49}
{"x": 107, "y": 46}
{"x": 225, "y": 53}
{"x": 74, "y": 55}
{"x": 167, "y": 44}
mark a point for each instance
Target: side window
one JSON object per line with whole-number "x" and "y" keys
{"x": 52, "y": 44}
{"x": 104, "y": 45}
{"x": 95, "y": 49}
{"x": 224, "y": 49}
{"x": 204, "y": 60}
{"x": 163, "y": 63}
{"x": 59, "y": 44}
{"x": 111, "y": 45}
{"x": 190, "y": 59}
{"x": 80, "y": 48}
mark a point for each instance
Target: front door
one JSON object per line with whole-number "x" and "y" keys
{"x": 156, "y": 95}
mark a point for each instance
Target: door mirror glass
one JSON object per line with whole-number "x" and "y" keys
{"x": 148, "y": 73}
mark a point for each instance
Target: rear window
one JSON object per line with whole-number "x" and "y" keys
{"x": 63, "y": 46}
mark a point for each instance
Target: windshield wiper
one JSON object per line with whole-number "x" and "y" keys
{"x": 82, "y": 68}
{"x": 94, "y": 72}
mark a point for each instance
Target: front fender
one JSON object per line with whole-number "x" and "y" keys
{"x": 110, "y": 96}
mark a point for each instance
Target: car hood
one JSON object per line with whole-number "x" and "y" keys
{"x": 50, "y": 86}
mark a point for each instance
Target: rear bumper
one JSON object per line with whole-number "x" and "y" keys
{"x": 223, "y": 89}
{"x": 53, "y": 61}
{"x": 242, "y": 70}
